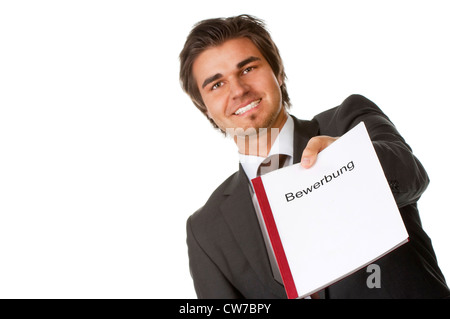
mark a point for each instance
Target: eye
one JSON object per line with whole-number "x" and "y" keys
{"x": 247, "y": 70}
{"x": 217, "y": 85}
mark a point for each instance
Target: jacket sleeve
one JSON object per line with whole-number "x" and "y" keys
{"x": 209, "y": 281}
{"x": 404, "y": 172}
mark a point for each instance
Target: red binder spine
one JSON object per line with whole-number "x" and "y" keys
{"x": 274, "y": 236}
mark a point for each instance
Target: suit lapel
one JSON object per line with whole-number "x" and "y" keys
{"x": 240, "y": 215}
{"x": 303, "y": 131}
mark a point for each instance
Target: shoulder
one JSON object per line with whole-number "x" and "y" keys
{"x": 353, "y": 105}
{"x": 209, "y": 213}
{"x": 348, "y": 114}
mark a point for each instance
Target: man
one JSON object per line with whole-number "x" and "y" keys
{"x": 233, "y": 73}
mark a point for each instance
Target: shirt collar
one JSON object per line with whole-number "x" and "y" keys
{"x": 284, "y": 144}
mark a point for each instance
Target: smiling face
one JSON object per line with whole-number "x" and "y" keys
{"x": 238, "y": 86}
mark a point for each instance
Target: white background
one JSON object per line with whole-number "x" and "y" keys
{"x": 103, "y": 157}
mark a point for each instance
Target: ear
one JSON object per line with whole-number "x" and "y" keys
{"x": 280, "y": 79}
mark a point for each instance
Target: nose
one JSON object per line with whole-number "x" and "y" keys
{"x": 239, "y": 88}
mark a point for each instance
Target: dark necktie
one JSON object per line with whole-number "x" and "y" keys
{"x": 272, "y": 163}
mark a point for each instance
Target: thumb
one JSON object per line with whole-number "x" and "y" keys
{"x": 313, "y": 148}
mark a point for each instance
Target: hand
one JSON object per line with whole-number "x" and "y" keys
{"x": 314, "y": 147}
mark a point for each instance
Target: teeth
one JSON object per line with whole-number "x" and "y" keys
{"x": 248, "y": 107}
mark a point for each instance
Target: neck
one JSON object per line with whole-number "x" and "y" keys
{"x": 260, "y": 143}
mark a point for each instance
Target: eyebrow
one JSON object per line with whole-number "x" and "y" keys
{"x": 247, "y": 61}
{"x": 211, "y": 79}
{"x": 238, "y": 66}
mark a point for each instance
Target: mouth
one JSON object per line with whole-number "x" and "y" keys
{"x": 248, "y": 107}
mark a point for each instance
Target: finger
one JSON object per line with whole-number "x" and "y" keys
{"x": 310, "y": 152}
{"x": 313, "y": 148}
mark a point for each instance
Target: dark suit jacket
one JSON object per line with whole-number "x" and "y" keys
{"x": 227, "y": 255}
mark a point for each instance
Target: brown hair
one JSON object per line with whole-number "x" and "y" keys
{"x": 214, "y": 32}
